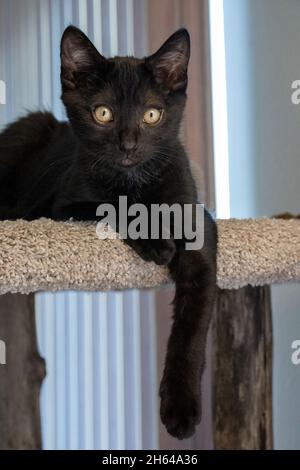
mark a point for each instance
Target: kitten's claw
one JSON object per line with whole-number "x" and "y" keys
{"x": 179, "y": 411}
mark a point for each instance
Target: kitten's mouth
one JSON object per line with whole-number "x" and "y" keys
{"x": 127, "y": 162}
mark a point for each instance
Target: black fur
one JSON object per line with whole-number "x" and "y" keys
{"x": 61, "y": 170}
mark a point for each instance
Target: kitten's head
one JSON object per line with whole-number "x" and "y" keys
{"x": 126, "y": 111}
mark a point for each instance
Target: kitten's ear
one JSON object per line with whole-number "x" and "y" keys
{"x": 169, "y": 64}
{"x": 77, "y": 54}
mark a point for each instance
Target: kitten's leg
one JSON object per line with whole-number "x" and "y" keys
{"x": 9, "y": 213}
{"x": 75, "y": 210}
{"x": 160, "y": 251}
{"x": 194, "y": 273}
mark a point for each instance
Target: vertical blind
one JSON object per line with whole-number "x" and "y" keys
{"x": 100, "y": 348}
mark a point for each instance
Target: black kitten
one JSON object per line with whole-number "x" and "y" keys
{"x": 122, "y": 139}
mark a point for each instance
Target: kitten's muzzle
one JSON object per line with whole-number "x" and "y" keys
{"x": 128, "y": 146}
{"x": 130, "y": 156}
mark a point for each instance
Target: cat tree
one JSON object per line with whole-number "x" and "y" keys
{"x": 48, "y": 255}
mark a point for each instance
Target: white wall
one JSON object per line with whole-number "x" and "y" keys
{"x": 263, "y": 59}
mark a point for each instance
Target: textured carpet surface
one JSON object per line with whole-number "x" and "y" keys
{"x": 48, "y": 255}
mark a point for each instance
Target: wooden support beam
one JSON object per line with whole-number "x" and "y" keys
{"x": 242, "y": 369}
{"x": 21, "y": 376}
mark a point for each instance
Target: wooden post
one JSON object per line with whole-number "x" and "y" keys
{"x": 21, "y": 376}
{"x": 242, "y": 369}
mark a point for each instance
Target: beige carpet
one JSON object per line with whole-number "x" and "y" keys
{"x": 48, "y": 255}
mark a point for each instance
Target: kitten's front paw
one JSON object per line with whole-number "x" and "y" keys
{"x": 159, "y": 251}
{"x": 180, "y": 410}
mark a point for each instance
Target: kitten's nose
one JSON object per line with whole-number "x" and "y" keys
{"x": 128, "y": 146}
{"x": 128, "y": 142}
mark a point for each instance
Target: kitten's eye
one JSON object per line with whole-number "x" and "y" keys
{"x": 103, "y": 114}
{"x": 152, "y": 116}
